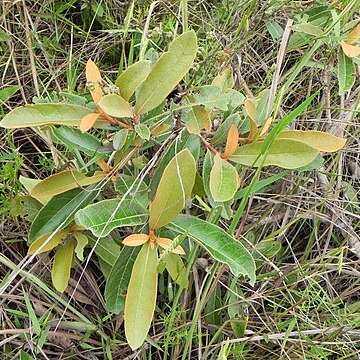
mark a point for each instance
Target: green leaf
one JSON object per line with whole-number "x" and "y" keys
{"x": 59, "y": 211}
{"x": 60, "y": 272}
{"x": 285, "y": 153}
{"x": 171, "y": 67}
{"x": 308, "y": 28}
{"x": 62, "y": 182}
{"x": 226, "y": 211}
{"x": 274, "y": 29}
{"x": 224, "y": 180}
{"x": 115, "y": 105}
{"x": 174, "y": 189}
{"x": 130, "y": 80}
{"x": 74, "y": 139}
{"x": 185, "y": 140}
{"x": 104, "y": 216}
{"x": 176, "y": 269}
{"x": 143, "y": 131}
{"x": 221, "y": 246}
{"x": 107, "y": 250}
{"x": 214, "y": 97}
{"x": 197, "y": 119}
{"x": 119, "y": 278}
{"x": 81, "y": 241}
{"x": 4, "y": 36}
{"x": 319, "y": 140}
{"x": 268, "y": 248}
{"x": 225, "y": 79}
{"x": 345, "y": 72}
{"x": 44, "y": 114}
{"x": 47, "y": 242}
{"x": 120, "y": 139}
{"x": 8, "y": 92}
{"x": 141, "y": 297}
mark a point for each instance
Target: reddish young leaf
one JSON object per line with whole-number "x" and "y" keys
{"x": 354, "y": 35}
{"x": 350, "y": 51}
{"x": 93, "y": 76}
{"x": 165, "y": 243}
{"x": 136, "y": 239}
{"x": 231, "y": 142}
{"x": 88, "y": 121}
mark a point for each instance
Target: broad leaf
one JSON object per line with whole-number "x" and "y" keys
{"x": 141, "y": 297}
{"x": 129, "y": 81}
{"x": 225, "y": 80}
{"x": 115, "y": 105}
{"x": 188, "y": 141}
{"x": 174, "y": 189}
{"x": 47, "y": 242}
{"x": 107, "y": 250}
{"x": 218, "y": 243}
{"x": 224, "y": 180}
{"x": 62, "y": 182}
{"x": 104, "y": 216}
{"x": 44, "y": 114}
{"x": 214, "y": 97}
{"x": 350, "y": 51}
{"x": 88, "y": 121}
{"x": 81, "y": 242}
{"x": 93, "y": 76}
{"x": 176, "y": 269}
{"x": 285, "y": 153}
{"x": 171, "y": 67}
{"x": 8, "y": 92}
{"x": 231, "y": 142}
{"x": 345, "y": 73}
{"x": 59, "y": 211}
{"x": 120, "y": 139}
{"x": 74, "y": 139}
{"x": 319, "y": 140}
{"x": 197, "y": 119}
{"x": 226, "y": 210}
{"x": 143, "y": 131}
{"x": 220, "y": 134}
{"x": 60, "y": 272}
{"x": 119, "y": 278}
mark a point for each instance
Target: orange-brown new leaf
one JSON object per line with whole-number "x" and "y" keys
{"x": 88, "y": 121}
{"x": 231, "y": 142}
{"x": 266, "y": 126}
{"x": 350, "y": 51}
{"x": 354, "y": 35}
{"x": 165, "y": 243}
{"x": 136, "y": 239}
{"x": 93, "y": 75}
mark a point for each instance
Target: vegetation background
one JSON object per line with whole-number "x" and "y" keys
{"x": 305, "y": 303}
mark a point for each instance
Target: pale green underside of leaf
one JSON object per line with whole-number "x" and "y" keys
{"x": 119, "y": 278}
{"x": 81, "y": 242}
{"x": 197, "y": 119}
{"x": 115, "y": 105}
{"x": 285, "y": 153}
{"x": 218, "y": 243}
{"x": 101, "y": 218}
{"x": 319, "y": 140}
{"x": 177, "y": 270}
{"x": 174, "y": 189}
{"x": 60, "y": 272}
{"x": 129, "y": 81}
{"x": 171, "y": 67}
{"x": 62, "y": 182}
{"x": 44, "y": 114}
{"x": 224, "y": 180}
{"x": 141, "y": 297}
